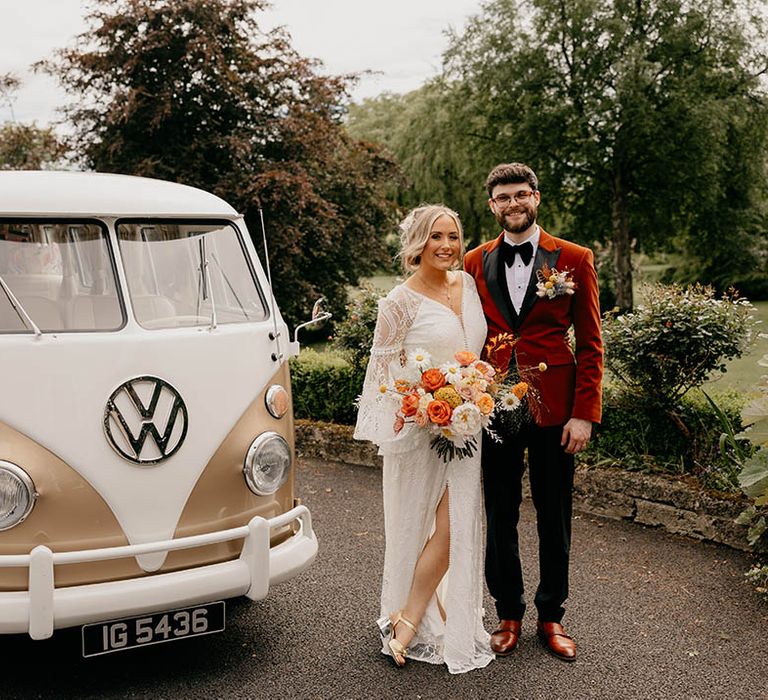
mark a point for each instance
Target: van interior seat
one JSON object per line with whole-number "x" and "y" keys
{"x": 148, "y": 307}
{"x": 45, "y": 312}
{"x": 95, "y": 311}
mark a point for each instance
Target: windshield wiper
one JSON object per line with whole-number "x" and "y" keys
{"x": 19, "y": 309}
{"x": 232, "y": 290}
{"x": 205, "y": 278}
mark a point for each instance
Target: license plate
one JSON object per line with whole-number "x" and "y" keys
{"x": 131, "y": 632}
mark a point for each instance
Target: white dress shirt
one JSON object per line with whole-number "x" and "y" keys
{"x": 519, "y": 274}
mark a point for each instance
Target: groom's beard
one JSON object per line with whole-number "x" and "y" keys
{"x": 517, "y": 225}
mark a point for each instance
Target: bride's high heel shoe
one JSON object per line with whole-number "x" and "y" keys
{"x": 387, "y": 627}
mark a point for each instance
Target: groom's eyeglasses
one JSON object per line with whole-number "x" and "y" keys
{"x": 504, "y": 200}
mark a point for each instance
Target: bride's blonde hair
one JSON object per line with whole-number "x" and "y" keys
{"x": 414, "y": 233}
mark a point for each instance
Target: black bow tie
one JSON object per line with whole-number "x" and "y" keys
{"x": 508, "y": 252}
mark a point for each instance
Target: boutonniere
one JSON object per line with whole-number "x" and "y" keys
{"x": 552, "y": 283}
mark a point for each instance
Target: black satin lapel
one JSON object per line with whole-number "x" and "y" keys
{"x": 497, "y": 287}
{"x": 549, "y": 257}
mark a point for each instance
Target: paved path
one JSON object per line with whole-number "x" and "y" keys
{"x": 654, "y": 615}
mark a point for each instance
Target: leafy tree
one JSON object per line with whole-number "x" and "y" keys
{"x": 28, "y": 147}
{"x": 646, "y": 121}
{"x": 194, "y": 91}
{"x": 25, "y": 146}
{"x": 9, "y": 83}
{"x": 418, "y": 130}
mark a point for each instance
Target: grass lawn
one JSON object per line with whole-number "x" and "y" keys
{"x": 744, "y": 374}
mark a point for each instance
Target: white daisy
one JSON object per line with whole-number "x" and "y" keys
{"x": 508, "y": 401}
{"x": 421, "y": 358}
{"x": 452, "y": 371}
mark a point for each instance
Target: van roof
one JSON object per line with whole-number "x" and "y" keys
{"x": 44, "y": 193}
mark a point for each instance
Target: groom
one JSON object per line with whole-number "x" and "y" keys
{"x": 564, "y": 402}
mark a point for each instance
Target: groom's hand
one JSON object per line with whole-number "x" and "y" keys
{"x": 576, "y": 434}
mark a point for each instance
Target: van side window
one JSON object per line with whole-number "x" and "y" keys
{"x": 183, "y": 274}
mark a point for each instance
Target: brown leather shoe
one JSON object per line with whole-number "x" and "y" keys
{"x": 504, "y": 639}
{"x": 553, "y": 636}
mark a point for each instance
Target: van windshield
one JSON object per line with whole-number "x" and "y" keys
{"x": 188, "y": 274}
{"x": 57, "y": 275}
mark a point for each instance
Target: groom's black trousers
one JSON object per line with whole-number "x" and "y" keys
{"x": 550, "y": 471}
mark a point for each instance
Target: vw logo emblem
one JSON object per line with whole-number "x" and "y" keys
{"x": 145, "y": 420}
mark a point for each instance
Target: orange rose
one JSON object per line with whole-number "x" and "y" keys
{"x": 432, "y": 380}
{"x": 402, "y": 385}
{"x": 485, "y": 404}
{"x": 410, "y": 404}
{"x": 520, "y": 389}
{"x": 439, "y": 412}
{"x": 465, "y": 357}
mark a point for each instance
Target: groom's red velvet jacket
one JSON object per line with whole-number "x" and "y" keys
{"x": 571, "y": 385}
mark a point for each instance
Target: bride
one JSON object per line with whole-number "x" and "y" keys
{"x": 431, "y": 596}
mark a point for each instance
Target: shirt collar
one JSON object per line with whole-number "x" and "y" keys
{"x": 533, "y": 238}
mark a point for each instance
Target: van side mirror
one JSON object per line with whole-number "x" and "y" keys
{"x": 319, "y": 314}
{"x": 319, "y": 317}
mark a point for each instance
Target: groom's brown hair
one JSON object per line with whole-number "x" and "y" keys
{"x": 509, "y": 174}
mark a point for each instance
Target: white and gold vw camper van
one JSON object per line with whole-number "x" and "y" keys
{"x": 146, "y": 431}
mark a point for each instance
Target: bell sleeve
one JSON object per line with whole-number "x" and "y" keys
{"x": 377, "y": 408}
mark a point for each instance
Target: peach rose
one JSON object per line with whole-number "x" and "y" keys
{"x": 439, "y": 412}
{"x": 485, "y": 404}
{"x": 410, "y": 404}
{"x": 432, "y": 380}
{"x": 421, "y": 418}
{"x": 520, "y": 389}
{"x": 465, "y": 357}
{"x": 485, "y": 369}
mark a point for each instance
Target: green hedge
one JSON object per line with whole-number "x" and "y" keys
{"x": 325, "y": 386}
{"x": 641, "y": 437}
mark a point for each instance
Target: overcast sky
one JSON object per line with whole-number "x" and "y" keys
{"x": 401, "y": 40}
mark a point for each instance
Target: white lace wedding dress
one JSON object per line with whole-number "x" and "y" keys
{"x": 415, "y": 478}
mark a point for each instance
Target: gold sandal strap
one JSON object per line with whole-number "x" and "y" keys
{"x": 406, "y": 622}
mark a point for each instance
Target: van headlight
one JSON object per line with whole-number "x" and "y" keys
{"x": 17, "y": 495}
{"x": 267, "y": 463}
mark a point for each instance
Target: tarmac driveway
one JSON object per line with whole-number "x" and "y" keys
{"x": 654, "y": 616}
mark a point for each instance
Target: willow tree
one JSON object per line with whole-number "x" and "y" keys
{"x": 646, "y": 121}
{"x": 196, "y": 92}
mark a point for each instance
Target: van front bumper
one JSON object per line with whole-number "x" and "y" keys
{"x": 43, "y": 607}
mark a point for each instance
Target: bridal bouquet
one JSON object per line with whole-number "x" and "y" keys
{"x": 453, "y": 401}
